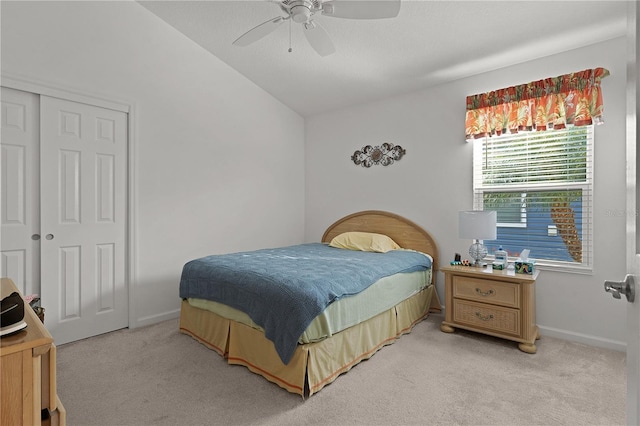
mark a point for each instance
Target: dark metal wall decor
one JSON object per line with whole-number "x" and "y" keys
{"x": 384, "y": 154}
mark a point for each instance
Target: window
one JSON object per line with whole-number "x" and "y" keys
{"x": 540, "y": 185}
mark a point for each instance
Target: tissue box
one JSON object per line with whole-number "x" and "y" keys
{"x": 524, "y": 267}
{"x": 499, "y": 266}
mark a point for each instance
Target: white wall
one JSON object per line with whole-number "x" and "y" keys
{"x": 433, "y": 181}
{"x": 219, "y": 162}
{"x": 220, "y": 167}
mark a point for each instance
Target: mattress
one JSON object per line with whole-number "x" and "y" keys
{"x": 343, "y": 313}
{"x": 283, "y": 289}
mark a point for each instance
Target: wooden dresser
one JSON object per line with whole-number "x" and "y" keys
{"x": 498, "y": 303}
{"x": 28, "y": 373}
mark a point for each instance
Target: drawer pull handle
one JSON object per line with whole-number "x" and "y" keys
{"x": 484, "y": 318}
{"x": 485, "y": 293}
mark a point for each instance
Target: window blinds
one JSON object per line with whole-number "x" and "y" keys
{"x": 540, "y": 183}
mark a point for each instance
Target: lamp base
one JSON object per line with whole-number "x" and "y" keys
{"x": 478, "y": 251}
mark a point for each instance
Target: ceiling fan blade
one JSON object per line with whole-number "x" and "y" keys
{"x": 361, "y": 9}
{"x": 318, "y": 38}
{"x": 258, "y": 32}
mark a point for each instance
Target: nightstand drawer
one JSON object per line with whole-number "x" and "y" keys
{"x": 487, "y": 291}
{"x": 495, "y": 318}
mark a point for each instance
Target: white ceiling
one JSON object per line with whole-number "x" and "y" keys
{"x": 428, "y": 43}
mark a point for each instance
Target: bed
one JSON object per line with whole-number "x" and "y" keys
{"x": 327, "y": 347}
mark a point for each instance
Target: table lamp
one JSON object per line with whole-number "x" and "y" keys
{"x": 477, "y": 225}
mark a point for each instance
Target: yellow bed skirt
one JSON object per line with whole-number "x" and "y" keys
{"x": 320, "y": 363}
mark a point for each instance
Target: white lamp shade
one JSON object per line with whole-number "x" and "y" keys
{"x": 477, "y": 225}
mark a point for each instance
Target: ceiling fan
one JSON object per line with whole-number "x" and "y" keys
{"x": 303, "y": 11}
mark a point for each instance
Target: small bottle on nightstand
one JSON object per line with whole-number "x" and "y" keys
{"x": 501, "y": 258}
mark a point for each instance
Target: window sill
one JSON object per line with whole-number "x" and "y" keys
{"x": 546, "y": 265}
{"x": 582, "y": 270}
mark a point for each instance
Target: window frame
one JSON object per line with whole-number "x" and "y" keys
{"x": 586, "y": 188}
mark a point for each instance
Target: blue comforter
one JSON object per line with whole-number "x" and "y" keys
{"x": 284, "y": 289}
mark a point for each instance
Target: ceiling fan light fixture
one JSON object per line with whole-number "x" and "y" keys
{"x": 300, "y": 13}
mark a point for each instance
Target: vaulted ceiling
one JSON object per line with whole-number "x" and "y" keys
{"x": 429, "y": 42}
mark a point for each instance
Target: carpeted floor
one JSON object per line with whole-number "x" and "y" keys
{"x": 157, "y": 376}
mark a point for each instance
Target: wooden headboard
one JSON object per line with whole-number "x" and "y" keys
{"x": 404, "y": 232}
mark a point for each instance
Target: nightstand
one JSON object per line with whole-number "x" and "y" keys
{"x": 493, "y": 302}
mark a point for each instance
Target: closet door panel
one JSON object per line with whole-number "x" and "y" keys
{"x": 83, "y": 250}
{"x": 69, "y": 169}
{"x": 19, "y": 199}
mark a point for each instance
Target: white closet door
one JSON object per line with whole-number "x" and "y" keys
{"x": 20, "y": 205}
{"x": 83, "y": 195}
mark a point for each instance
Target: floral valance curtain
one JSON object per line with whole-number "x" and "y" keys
{"x": 552, "y": 103}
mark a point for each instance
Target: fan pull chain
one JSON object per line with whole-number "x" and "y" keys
{"x": 290, "y": 49}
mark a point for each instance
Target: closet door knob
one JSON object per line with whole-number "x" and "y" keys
{"x": 49, "y": 237}
{"x": 35, "y": 237}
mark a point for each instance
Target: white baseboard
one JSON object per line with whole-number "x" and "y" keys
{"x": 154, "y": 319}
{"x": 599, "y": 342}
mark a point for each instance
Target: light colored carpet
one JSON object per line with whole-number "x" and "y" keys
{"x": 157, "y": 376}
